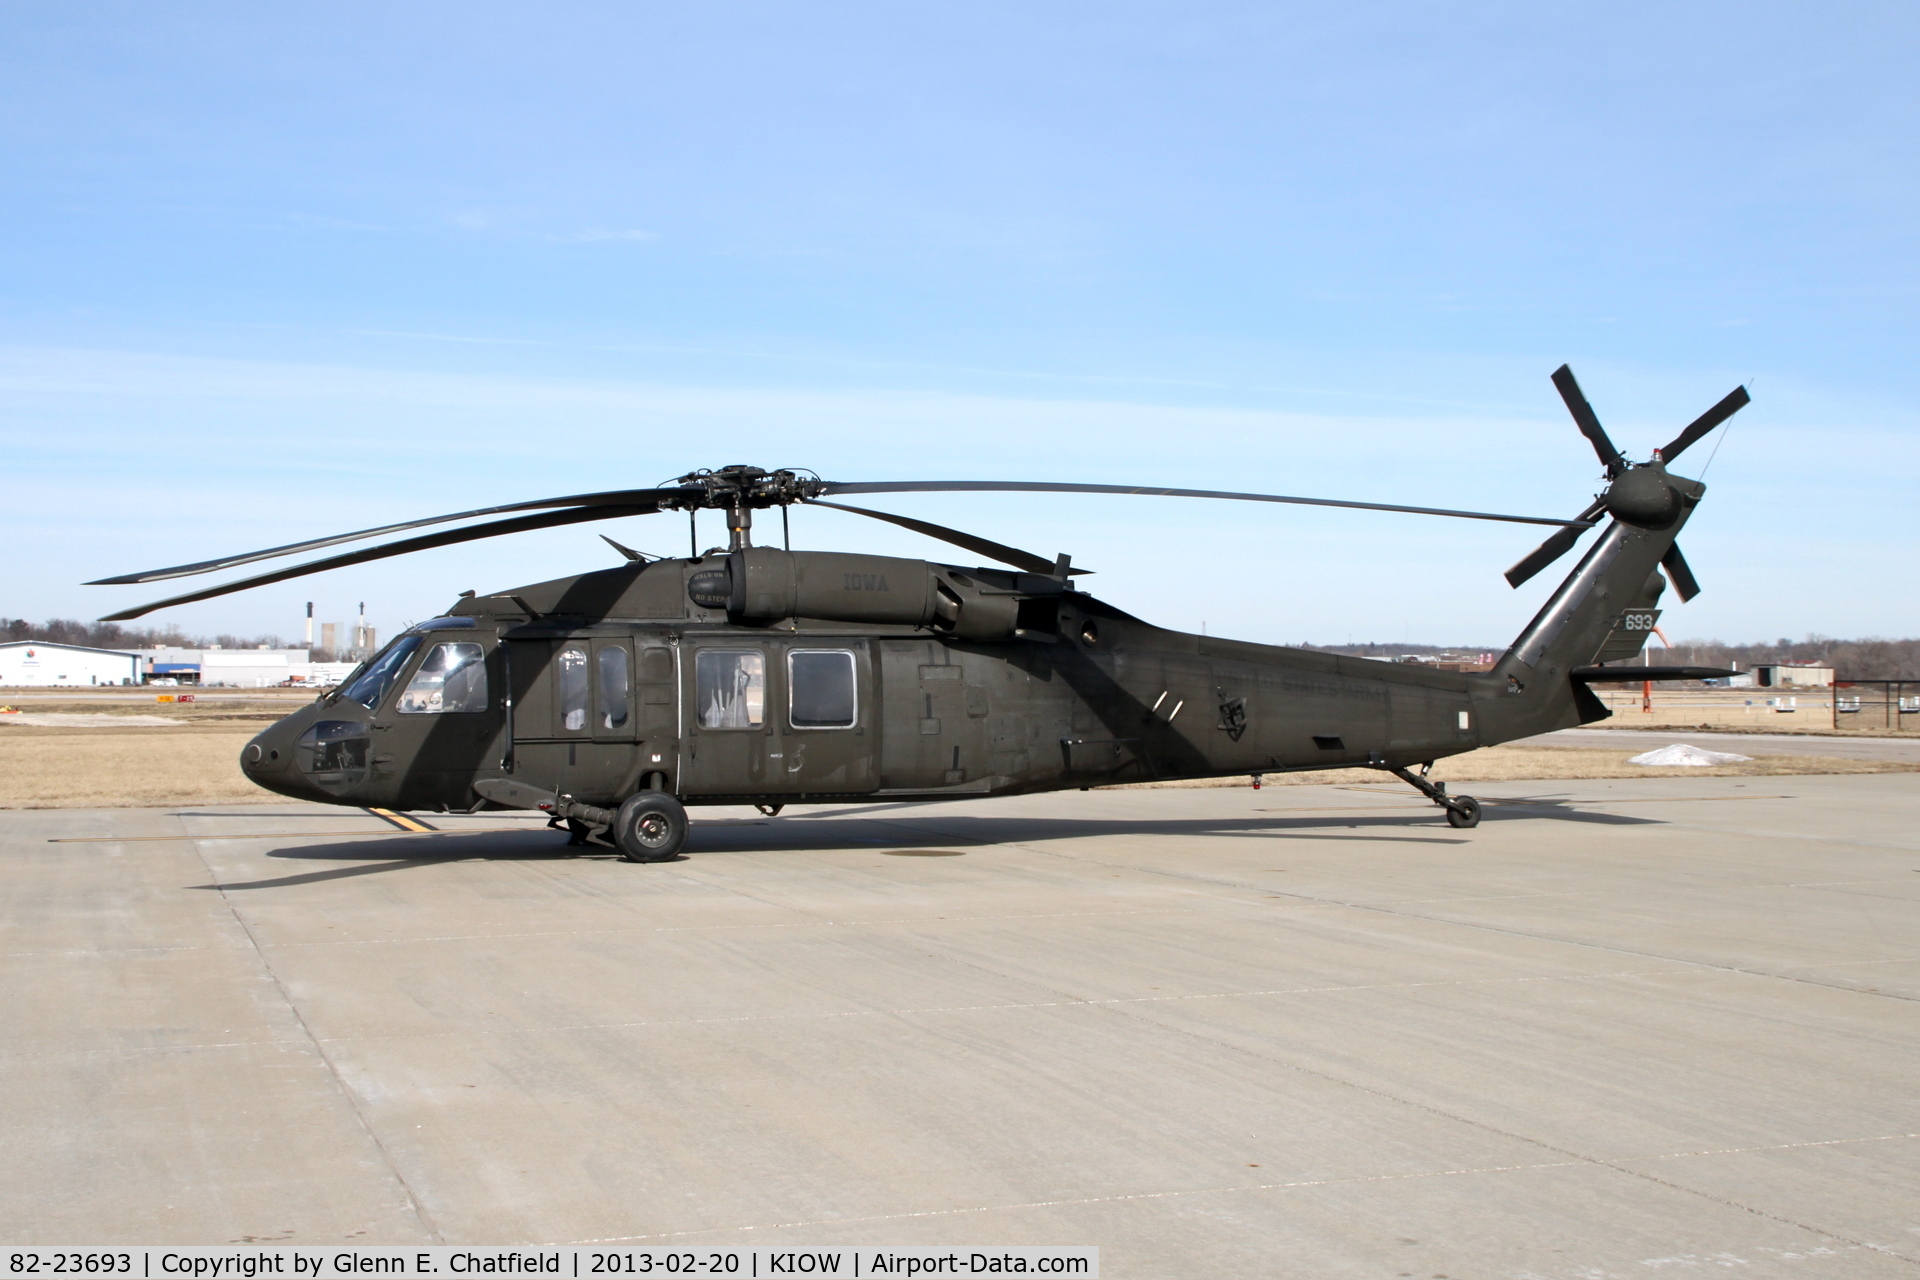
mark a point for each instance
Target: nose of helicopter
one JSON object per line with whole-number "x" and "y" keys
{"x": 268, "y": 759}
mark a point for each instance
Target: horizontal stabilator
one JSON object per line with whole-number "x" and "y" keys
{"x": 1591, "y": 674}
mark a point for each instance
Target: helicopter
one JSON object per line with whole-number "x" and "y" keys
{"x": 614, "y": 700}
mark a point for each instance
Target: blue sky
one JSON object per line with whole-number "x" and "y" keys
{"x": 275, "y": 273}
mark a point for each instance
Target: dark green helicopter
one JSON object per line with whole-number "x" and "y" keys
{"x": 753, "y": 675}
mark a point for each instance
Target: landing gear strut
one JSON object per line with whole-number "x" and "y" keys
{"x": 1462, "y": 811}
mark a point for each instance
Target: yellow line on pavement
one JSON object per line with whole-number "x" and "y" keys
{"x": 400, "y": 820}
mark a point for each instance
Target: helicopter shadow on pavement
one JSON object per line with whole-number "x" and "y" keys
{"x": 404, "y": 852}
{"x": 842, "y": 830}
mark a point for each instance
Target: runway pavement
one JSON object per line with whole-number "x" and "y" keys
{"x": 1641, "y": 1027}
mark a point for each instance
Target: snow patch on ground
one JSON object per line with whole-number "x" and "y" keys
{"x": 1681, "y": 753}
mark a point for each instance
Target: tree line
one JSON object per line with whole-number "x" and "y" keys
{"x": 111, "y": 635}
{"x": 1868, "y": 659}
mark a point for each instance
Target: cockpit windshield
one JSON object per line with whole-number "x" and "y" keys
{"x": 377, "y": 676}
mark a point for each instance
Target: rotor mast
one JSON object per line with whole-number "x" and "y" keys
{"x": 739, "y": 526}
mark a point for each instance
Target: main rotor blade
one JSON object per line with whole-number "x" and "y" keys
{"x": 1679, "y": 574}
{"x": 447, "y": 537}
{"x": 1734, "y": 401}
{"x": 980, "y": 546}
{"x": 1558, "y": 543}
{"x": 1589, "y": 424}
{"x": 613, "y": 497}
{"x": 1023, "y": 486}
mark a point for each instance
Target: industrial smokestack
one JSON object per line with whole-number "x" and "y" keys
{"x": 309, "y": 624}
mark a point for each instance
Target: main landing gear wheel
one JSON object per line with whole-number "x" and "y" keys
{"x": 650, "y": 827}
{"x": 1464, "y": 812}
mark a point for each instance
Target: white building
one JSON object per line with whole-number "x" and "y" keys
{"x": 234, "y": 668}
{"x": 1792, "y": 675}
{"x": 248, "y": 668}
{"x": 35, "y": 662}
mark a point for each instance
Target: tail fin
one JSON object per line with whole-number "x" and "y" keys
{"x": 1602, "y": 612}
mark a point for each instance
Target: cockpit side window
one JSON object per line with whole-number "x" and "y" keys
{"x": 453, "y": 677}
{"x": 372, "y": 684}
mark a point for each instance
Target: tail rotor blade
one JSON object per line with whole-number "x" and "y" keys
{"x": 1679, "y": 574}
{"x": 1558, "y": 543}
{"x": 1588, "y": 422}
{"x": 1734, "y": 401}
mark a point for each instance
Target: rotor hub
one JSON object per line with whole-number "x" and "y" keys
{"x": 739, "y": 487}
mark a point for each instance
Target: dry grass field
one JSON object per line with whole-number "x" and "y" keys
{"x": 1797, "y": 711}
{"x": 192, "y": 757}
{"x": 134, "y": 768}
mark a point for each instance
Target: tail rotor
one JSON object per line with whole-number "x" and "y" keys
{"x": 1636, "y": 493}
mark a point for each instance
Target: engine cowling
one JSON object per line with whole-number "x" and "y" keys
{"x": 768, "y": 584}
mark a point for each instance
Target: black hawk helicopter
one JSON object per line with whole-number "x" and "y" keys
{"x": 612, "y": 700}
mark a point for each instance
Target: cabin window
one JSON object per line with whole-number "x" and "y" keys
{"x": 378, "y": 676}
{"x": 820, "y": 688}
{"x": 453, "y": 678}
{"x": 730, "y": 688}
{"x": 570, "y": 688}
{"x": 612, "y": 709}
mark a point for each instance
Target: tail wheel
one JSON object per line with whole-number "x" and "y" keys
{"x": 1464, "y": 812}
{"x": 650, "y": 827}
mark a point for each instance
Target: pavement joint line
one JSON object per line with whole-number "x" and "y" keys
{"x": 1586, "y": 893}
{"x": 389, "y": 832}
{"x": 1083, "y": 1003}
{"x": 708, "y": 928}
{"x": 1432, "y": 1109}
{"x": 1301, "y": 1184}
{"x": 149, "y": 1050}
{"x": 117, "y": 951}
{"x": 1850, "y": 964}
{"x": 1384, "y": 909}
{"x": 1115, "y": 1199}
{"x": 1782, "y": 1146}
{"x": 1527, "y": 1139}
{"x": 1801, "y": 835}
{"x": 333, "y": 1069}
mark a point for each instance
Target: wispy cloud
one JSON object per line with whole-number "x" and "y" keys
{"x": 606, "y": 234}
{"x": 325, "y": 222}
{"x": 518, "y": 224}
